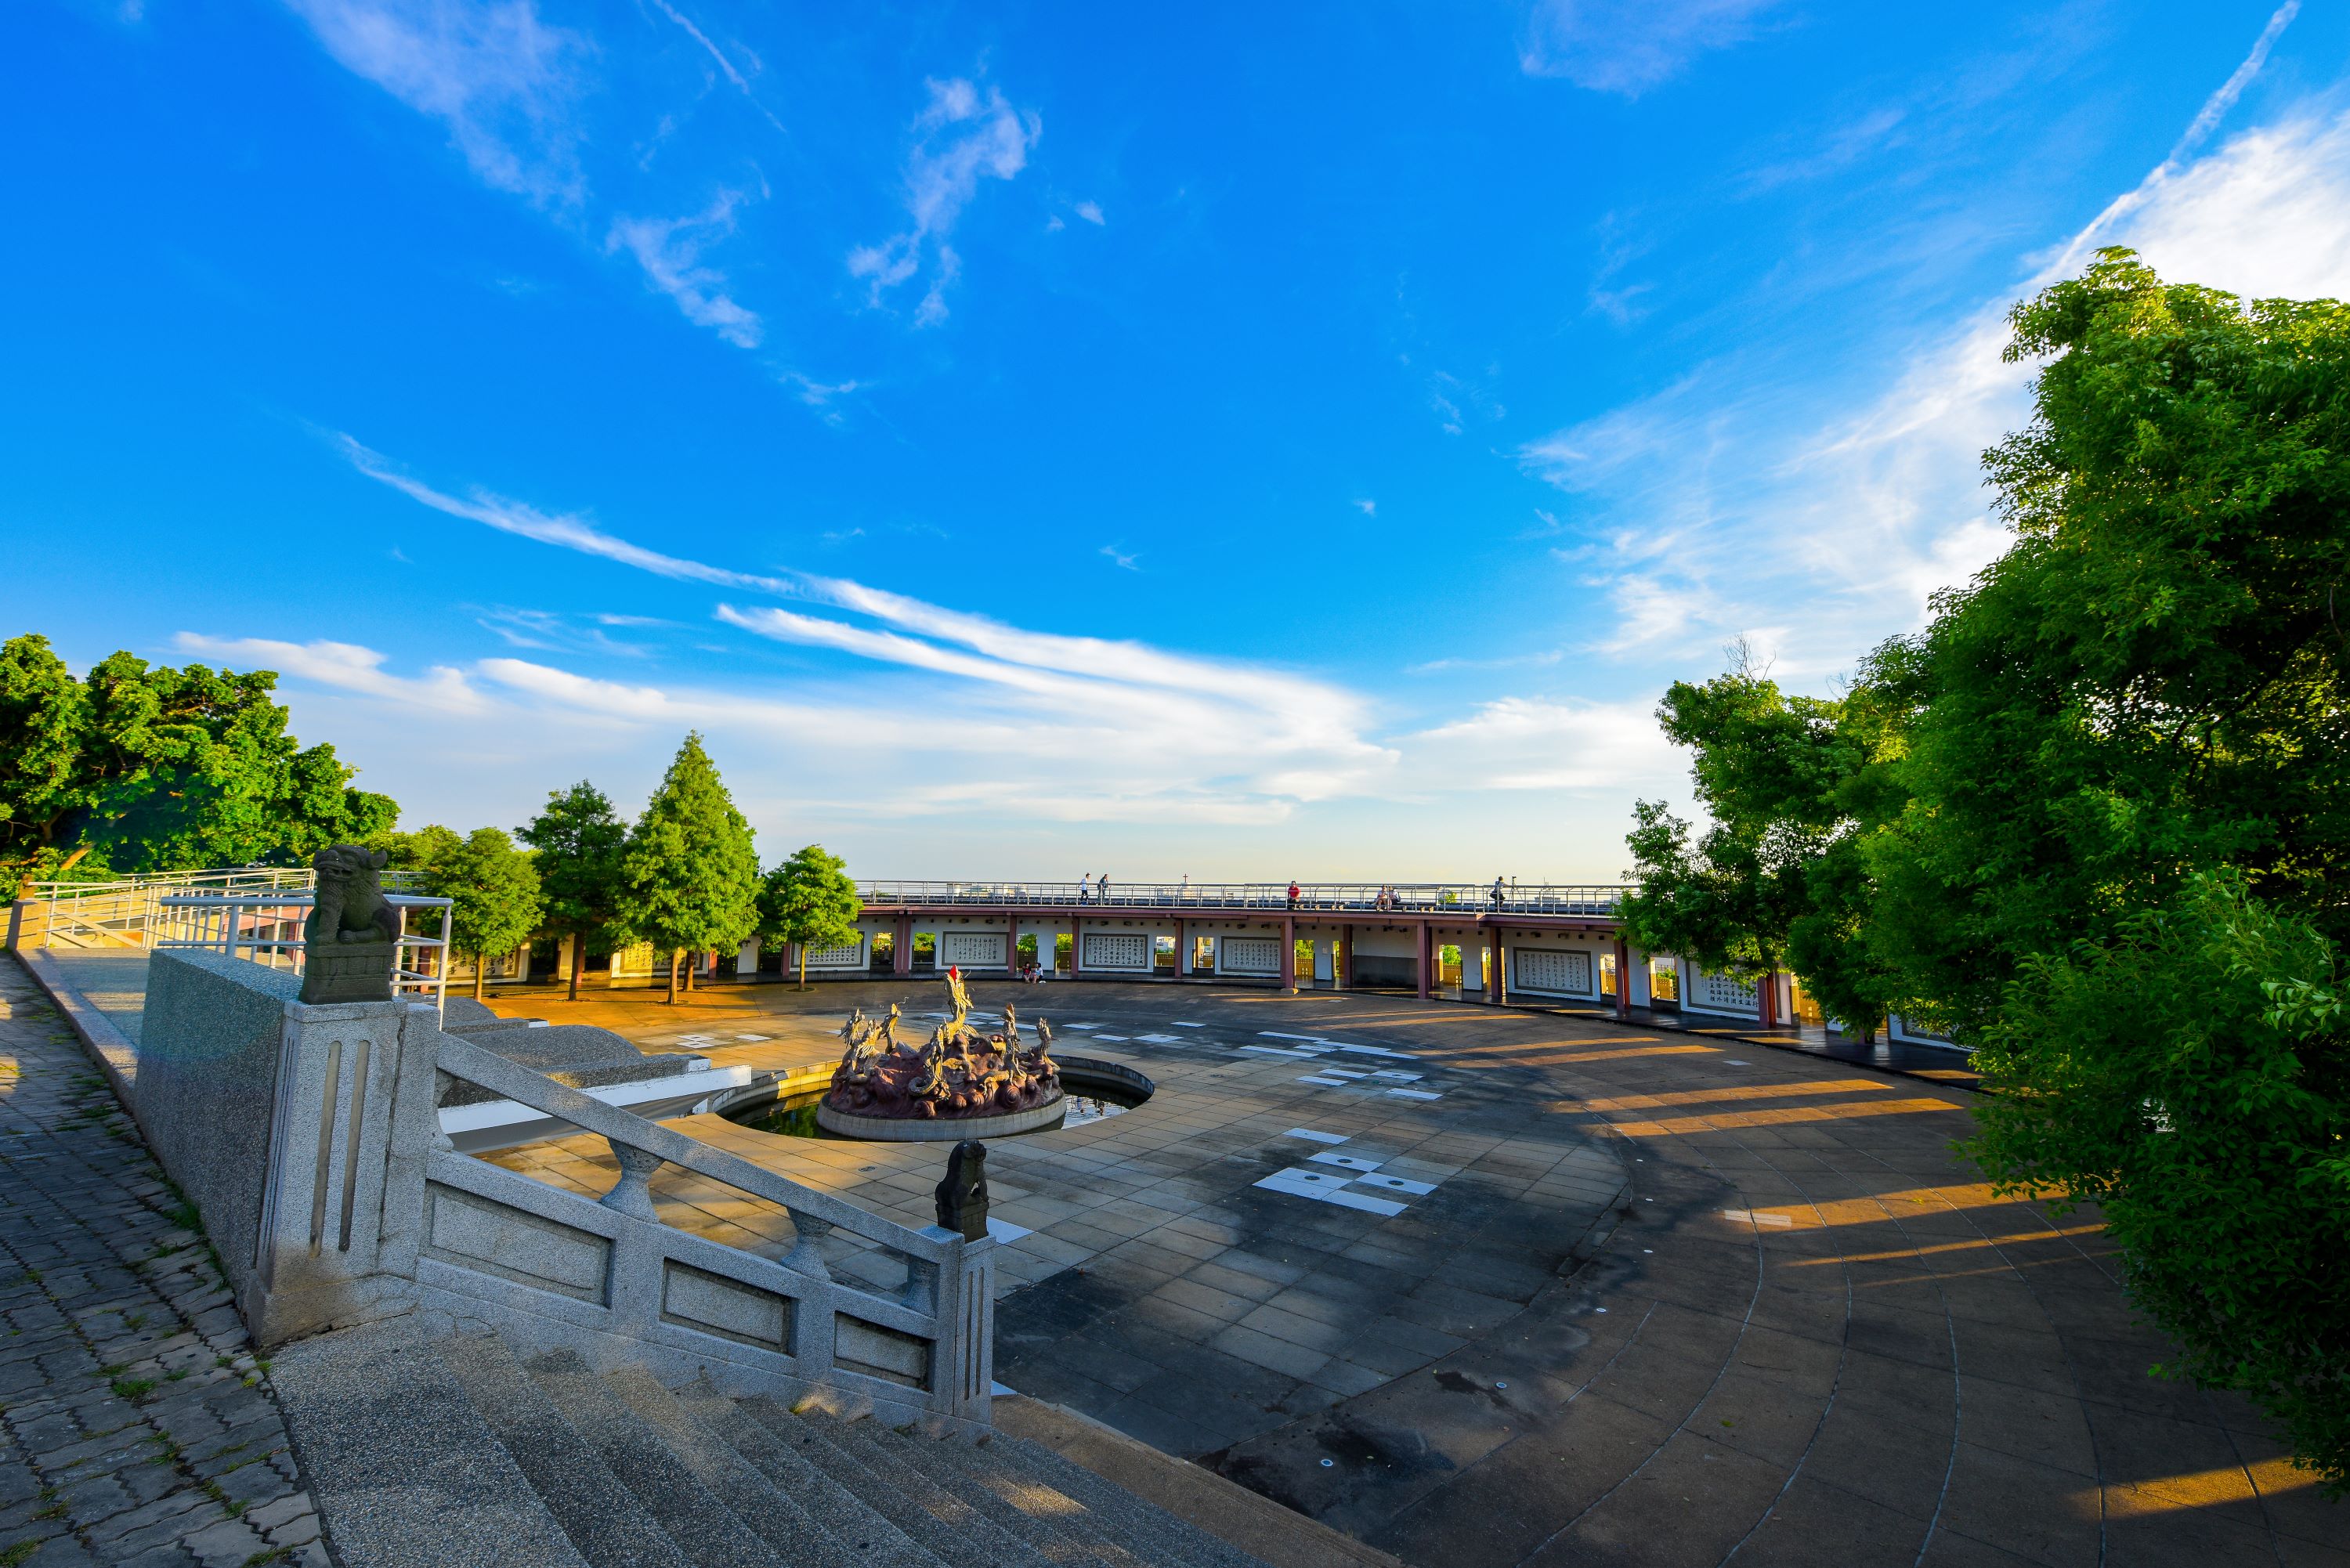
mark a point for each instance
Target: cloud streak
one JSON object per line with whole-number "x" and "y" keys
{"x": 1717, "y": 509}
{"x": 1627, "y": 47}
{"x": 670, "y": 252}
{"x": 963, "y": 138}
{"x": 503, "y": 80}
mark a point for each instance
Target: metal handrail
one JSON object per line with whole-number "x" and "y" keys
{"x": 127, "y": 913}
{"x": 1422, "y": 897}
{"x": 267, "y": 928}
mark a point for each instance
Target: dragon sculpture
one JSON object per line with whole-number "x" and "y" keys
{"x": 959, "y": 1073}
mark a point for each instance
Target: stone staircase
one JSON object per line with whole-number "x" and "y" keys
{"x": 450, "y": 1449}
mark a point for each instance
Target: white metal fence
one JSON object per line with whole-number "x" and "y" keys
{"x": 1466, "y": 898}
{"x": 267, "y": 928}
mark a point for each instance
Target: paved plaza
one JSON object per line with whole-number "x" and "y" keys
{"x": 1475, "y": 1285}
{"x": 135, "y": 1426}
{"x": 1806, "y": 1333}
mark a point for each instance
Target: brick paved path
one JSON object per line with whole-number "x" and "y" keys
{"x": 135, "y": 1426}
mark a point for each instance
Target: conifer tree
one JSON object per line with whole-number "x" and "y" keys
{"x": 689, "y": 873}
{"x": 578, "y": 843}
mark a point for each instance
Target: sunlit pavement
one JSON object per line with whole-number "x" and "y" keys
{"x": 1811, "y": 1335}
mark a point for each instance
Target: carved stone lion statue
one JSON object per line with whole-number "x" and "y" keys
{"x": 350, "y": 905}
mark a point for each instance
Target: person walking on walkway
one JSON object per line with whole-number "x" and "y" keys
{"x": 1101, "y": 886}
{"x": 1183, "y": 889}
{"x": 1086, "y": 888}
{"x": 1497, "y": 892}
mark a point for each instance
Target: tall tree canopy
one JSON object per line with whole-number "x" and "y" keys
{"x": 493, "y": 891}
{"x": 1776, "y": 878}
{"x": 810, "y": 899}
{"x": 147, "y": 768}
{"x": 2096, "y": 818}
{"x": 579, "y": 842}
{"x": 689, "y": 873}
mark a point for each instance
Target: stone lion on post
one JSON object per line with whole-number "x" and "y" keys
{"x": 352, "y": 935}
{"x": 350, "y": 906}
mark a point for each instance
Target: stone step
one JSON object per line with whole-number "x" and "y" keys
{"x": 756, "y": 1500}
{"x": 405, "y": 1470}
{"x": 1144, "y": 1528}
{"x": 843, "y": 1514}
{"x": 877, "y": 1491}
{"x": 697, "y": 1519}
{"x": 1054, "y": 1522}
{"x": 980, "y": 1541}
{"x": 603, "y": 1517}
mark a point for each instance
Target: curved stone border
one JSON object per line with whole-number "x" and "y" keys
{"x": 1080, "y": 1071}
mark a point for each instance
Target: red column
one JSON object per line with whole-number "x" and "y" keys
{"x": 1766, "y": 997}
{"x": 1342, "y": 973}
{"x": 1077, "y": 946}
{"x": 1422, "y": 958}
{"x": 1289, "y": 953}
{"x": 1012, "y": 947}
{"x": 902, "y": 959}
{"x": 1182, "y": 951}
{"x": 1493, "y": 965}
{"x": 1623, "y": 978}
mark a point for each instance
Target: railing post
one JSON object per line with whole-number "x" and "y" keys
{"x": 962, "y": 1375}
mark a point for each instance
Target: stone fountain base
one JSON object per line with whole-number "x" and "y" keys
{"x": 941, "y": 1129}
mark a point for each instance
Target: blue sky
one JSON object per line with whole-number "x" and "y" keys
{"x": 1265, "y": 440}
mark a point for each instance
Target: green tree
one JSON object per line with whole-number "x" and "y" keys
{"x": 148, "y": 768}
{"x": 689, "y": 873}
{"x": 44, "y": 714}
{"x": 1789, "y": 784}
{"x": 578, "y": 843}
{"x": 2185, "y": 1074}
{"x": 812, "y": 901}
{"x": 494, "y": 892}
{"x": 2110, "y": 827}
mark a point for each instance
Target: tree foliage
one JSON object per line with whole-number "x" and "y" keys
{"x": 141, "y": 768}
{"x": 2096, "y": 818}
{"x": 1775, "y": 878}
{"x": 494, "y": 889}
{"x": 689, "y": 872}
{"x": 579, "y": 842}
{"x": 810, "y": 899}
{"x": 2187, "y": 1074}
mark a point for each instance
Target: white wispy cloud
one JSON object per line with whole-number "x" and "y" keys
{"x": 964, "y": 137}
{"x": 504, "y": 80}
{"x": 1540, "y": 744}
{"x": 347, "y": 666}
{"x": 1121, "y": 559}
{"x": 570, "y": 531}
{"x": 725, "y": 63}
{"x": 1724, "y": 506}
{"x": 1240, "y": 737}
{"x": 1627, "y": 47}
{"x": 670, "y": 251}
{"x": 1091, "y": 213}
